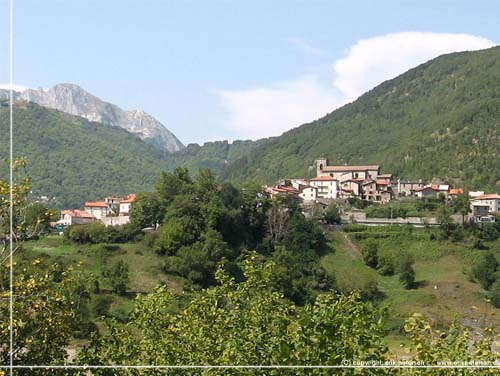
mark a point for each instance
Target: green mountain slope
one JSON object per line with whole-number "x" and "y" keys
{"x": 73, "y": 160}
{"x": 214, "y": 155}
{"x": 438, "y": 120}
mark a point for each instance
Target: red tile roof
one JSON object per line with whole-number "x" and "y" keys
{"x": 427, "y": 187}
{"x": 77, "y": 213}
{"x": 350, "y": 168}
{"x": 323, "y": 178}
{"x": 456, "y": 191}
{"x": 492, "y": 196}
{"x": 96, "y": 204}
{"x": 130, "y": 198}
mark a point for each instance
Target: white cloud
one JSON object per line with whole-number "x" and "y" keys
{"x": 271, "y": 110}
{"x": 265, "y": 112}
{"x": 371, "y": 61}
{"x": 14, "y": 87}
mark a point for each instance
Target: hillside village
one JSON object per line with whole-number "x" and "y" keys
{"x": 331, "y": 184}
{"x": 112, "y": 211}
{"x": 368, "y": 183}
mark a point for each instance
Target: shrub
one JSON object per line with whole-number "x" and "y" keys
{"x": 117, "y": 277}
{"x": 406, "y": 271}
{"x": 101, "y": 305}
{"x": 484, "y": 270}
{"x": 370, "y": 253}
{"x": 385, "y": 265}
{"x": 495, "y": 294}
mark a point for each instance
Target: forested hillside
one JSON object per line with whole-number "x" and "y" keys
{"x": 213, "y": 155}
{"x": 73, "y": 160}
{"x": 438, "y": 120}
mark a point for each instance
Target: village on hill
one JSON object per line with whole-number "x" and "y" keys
{"x": 112, "y": 211}
{"x": 341, "y": 183}
{"x": 332, "y": 184}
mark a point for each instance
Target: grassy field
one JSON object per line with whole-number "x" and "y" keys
{"x": 444, "y": 290}
{"x": 145, "y": 271}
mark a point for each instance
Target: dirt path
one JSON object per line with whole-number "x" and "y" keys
{"x": 352, "y": 248}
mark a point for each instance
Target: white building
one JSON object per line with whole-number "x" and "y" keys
{"x": 491, "y": 200}
{"x": 125, "y": 204}
{"x": 308, "y": 193}
{"x": 327, "y": 186}
{"x": 98, "y": 209}
{"x": 75, "y": 217}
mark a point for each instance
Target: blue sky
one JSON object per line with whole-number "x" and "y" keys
{"x": 213, "y": 70}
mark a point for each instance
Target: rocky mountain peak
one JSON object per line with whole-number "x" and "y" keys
{"x": 72, "y": 99}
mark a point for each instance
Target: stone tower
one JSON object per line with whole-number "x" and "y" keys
{"x": 320, "y": 164}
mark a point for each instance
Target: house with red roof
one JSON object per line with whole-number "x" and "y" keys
{"x": 75, "y": 217}
{"x": 492, "y": 201}
{"x": 125, "y": 204}
{"x": 98, "y": 209}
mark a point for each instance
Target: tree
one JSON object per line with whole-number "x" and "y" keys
{"x": 485, "y": 270}
{"x": 38, "y": 217}
{"x": 147, "y": 210}
{"x": 454, "y": 344}
{"x": 406, "y": 271}
{"x": 277, "y": 220}
{"x": 24, "y": 225}
{"x": 47, "y": 299}
{"x": 445, "y": 221}
{"x": 241, "y": 323}
{"x": 461, "y": 204}
{"x": 332, "y": 214}
{"x": 117, "y": 277}
{"x": 370, "y": 253}
{"x": 174, "y": 183}
{"x": 176, "y": 233}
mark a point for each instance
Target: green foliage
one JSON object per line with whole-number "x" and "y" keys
{"x": 96, "y": 232}
{"x": 198, "y": 261}
{"x": 47, "y": 299}
{"x": 303, "y": 236}
{"x": 370, "y": 253}
{"x": 72, "y": 160}
{"x": 495, "y": 293}
{"x": 485, "y": 269}
{"x": 101, "y": 305}
{"x": 385, "y": 264}
{"x": 146, "y": 210}
{"x": 241, "y": 323}
{"x": 332, "y": 214}
{"x": 461, "y": 205}
{"x": 489, "y": 231}
{"x": 117, "y": 277}
{"x": 406, "y": 271}
{"x": 456, "y": 344}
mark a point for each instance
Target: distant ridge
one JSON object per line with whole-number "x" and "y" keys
{"x": 74, "y": 100}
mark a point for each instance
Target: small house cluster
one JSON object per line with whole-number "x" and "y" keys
{"x": 112, "y": 211}
{"x": 368, "y": 183}
{"x": 333, "y": 182}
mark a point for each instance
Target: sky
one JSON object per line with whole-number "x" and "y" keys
{"x": 226, "y": 70}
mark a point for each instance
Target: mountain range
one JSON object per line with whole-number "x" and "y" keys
{"x": 72, "y": 99}
{"x": 439, "y": 121}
